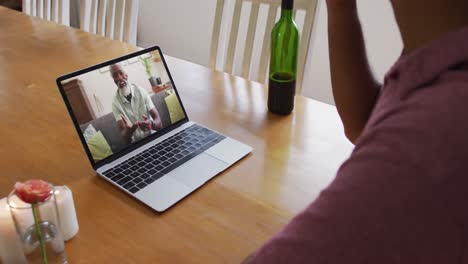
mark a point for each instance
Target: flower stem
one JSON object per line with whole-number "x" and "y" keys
{"x": 39, "y": 234}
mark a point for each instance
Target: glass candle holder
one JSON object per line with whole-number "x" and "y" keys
{"x": 42, "y": 239}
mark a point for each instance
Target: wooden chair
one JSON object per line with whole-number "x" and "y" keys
{"x": 115, "y": 19}
{"x": 308, "y": 6}
{"x": 52, "y": 10}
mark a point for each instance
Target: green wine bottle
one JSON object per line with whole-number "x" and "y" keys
{"x": 283, "y": 62}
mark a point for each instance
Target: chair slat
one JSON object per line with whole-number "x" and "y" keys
{"x": 298, "y": 4}
{"x": 233, "y": 37}
{"x": 266, "y": 43}
{"x": 110, "y": 20}
{"x": 130, "y": 21}
{"x": 26, "y": 7}
{"x": 47, "y": 9}
{"x": 93, "y": 16}
{"x": 119, "y": 19}
{"x": 101, "y": 18}
{"x": 216, "y": 33}
{"x": 33, "y": 8}
{"x": 308, "y": 6}
{"x": 250, "y": 40}
{"x": 85, "y": 14}
{"x": 55, "y": 11}
{"x": 40, "y": 9}
{"x": 64, "y": 12}
{"x": 304, "y": 44}
{"x": 60, "y": 8}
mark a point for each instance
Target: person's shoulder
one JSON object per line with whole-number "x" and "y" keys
{"x": 439, "y": 99}
{"x": 415, "y": 121}
{"x": 115, "y": 97}
{"x": 444, "y": 97}
{"x": 139, "y": 89}
{"x": 115, "y": 100}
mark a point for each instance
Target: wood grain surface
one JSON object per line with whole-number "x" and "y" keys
{"x": 294, "y": 157}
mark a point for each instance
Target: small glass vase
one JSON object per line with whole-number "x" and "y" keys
{"x": 45, "y": 229}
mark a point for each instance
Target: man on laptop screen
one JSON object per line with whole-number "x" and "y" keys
{"x": 120, "y": 105}
{"x": 131, "y": 106}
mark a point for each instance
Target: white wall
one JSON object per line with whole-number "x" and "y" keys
{"x": 383, "y": 45}
{"x": 183, "y": 29}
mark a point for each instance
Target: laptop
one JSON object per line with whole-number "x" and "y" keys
{"x": 136, "y": 131}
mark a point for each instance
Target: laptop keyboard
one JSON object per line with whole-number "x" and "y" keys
{"x": 141, "y": 170}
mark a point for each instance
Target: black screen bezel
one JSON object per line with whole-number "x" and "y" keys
{"x": 132, "y": 146}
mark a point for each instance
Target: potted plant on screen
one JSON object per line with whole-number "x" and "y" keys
{"x": 154, "y": 81}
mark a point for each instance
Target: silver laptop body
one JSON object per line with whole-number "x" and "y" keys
{"x": 167, "y": 165}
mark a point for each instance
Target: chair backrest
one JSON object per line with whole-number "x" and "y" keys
{"x": 115, "y": 19}
{"x": 52, "y": 10}
{"x": 307, "y": 6}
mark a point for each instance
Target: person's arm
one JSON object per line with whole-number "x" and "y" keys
{"x": 354, "y": 87}
{"x": 157, "y": 124}
{"x": 126, "y": 128}
{"x": 380, "y": 208}
{"x": 147, "y": 124}
{"x": 153, "y": 112}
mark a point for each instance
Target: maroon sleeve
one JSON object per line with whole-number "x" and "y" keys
{"x": 387, "y": 203}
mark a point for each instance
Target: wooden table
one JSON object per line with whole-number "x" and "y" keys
{"x": 294, "y": 157}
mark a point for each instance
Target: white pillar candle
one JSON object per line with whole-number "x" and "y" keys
{"x": 66, "y": 212}
{"x": 11, "y": 250}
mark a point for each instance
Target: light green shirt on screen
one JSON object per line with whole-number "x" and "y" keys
{"x": 133, "y": 110}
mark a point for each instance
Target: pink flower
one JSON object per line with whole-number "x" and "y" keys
{"x": 33, "y": 191}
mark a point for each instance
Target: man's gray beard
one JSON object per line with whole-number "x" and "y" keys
{"x": 125, "y": 91}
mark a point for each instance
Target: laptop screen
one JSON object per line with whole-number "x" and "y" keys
{"x": 122, "y": 102}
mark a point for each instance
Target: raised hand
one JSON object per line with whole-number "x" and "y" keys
{"x": 146, "y": 124}
{"x": 127, "y": 128}
{"x": 128, "y": 124}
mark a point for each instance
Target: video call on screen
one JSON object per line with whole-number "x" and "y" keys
{"x": 123, "y": 103}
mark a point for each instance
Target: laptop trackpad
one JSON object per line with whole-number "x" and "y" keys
{"x": 198, "y": 170}
{"x": 163, "y": 193}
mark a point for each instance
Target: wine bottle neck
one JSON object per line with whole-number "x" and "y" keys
{"x": 286, "y": 13}
{"x": 287, "y": 9}
{"x": 287, "y": 4}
